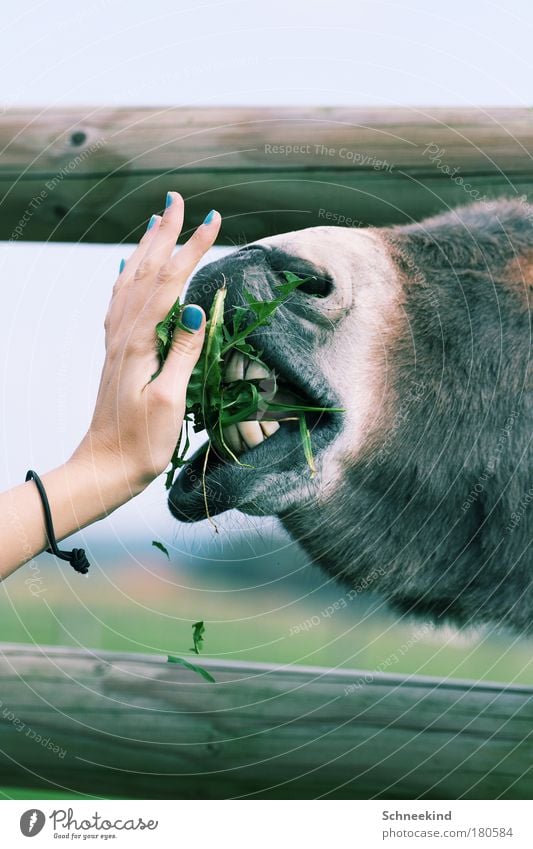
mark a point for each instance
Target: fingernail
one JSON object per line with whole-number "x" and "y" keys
{"x": 122, "y": 264}
{"x": 151, "y": 223}
{"x": 168, "y": 200}
{"x": 209, "y": 217}
{"x": 192, "y": 317}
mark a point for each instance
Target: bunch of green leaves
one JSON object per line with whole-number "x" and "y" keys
{"x": 212, "y": 404}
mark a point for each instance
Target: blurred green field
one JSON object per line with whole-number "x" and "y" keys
{"x": 151, "y": 610}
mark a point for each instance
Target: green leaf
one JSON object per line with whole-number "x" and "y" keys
{"x": 212, "y": 360}
{"x": 293, "y": 281}
{"x": 239, "y": 315}
{"x": 306, "y": 442}
{"x": 192, "y": 666}
{"x": 198, "y": 631}
{"x": 261, "y": 309}
{"x": 161, "y": 547}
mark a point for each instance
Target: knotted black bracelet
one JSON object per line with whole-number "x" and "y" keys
{"x": 76, "y": 557}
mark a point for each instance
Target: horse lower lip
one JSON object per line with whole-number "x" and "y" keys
{"x": 191, "y": 475}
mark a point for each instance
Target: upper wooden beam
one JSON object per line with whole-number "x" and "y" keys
{"x": 97, "y": 175}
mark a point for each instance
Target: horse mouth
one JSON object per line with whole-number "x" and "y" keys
{"x": 269, "y": 442}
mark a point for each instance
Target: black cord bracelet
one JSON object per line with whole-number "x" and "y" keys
{"x": 76, "y": 557}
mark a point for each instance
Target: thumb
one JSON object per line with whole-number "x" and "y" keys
{"x": 185, "y": 349}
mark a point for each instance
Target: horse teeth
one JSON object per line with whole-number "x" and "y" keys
{"x": 235, "y": 368}
{"x": 245, "y": 435}
{"x": 255, "y": 371}
{"x": 241, "y": 367}
{"x": 233, "y": 439}
{"x": 251, "y": 433}
{"x": 269, "y": 428}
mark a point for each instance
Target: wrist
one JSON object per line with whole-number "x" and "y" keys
{"x": 106, "y": 480}
{"x": 79, "y": 493}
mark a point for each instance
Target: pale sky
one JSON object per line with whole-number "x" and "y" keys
{"x": 172, "y": 52}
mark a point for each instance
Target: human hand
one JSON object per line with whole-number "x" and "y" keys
{"x": 136, "y": 421}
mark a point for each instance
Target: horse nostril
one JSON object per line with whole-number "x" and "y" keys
{"x": 317, "y": 282}
{"x": 317, "y": 287}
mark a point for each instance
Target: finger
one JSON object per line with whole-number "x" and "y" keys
{"x": 128, "y": 266}
{"x": 199, "y": 243}
{"x": 174, "y": 273}
{"x": 159, "y": 240}
{"x": 184, "y": 353}
{"x": 164, "y": 242}
{"x": 149, "y": 274}
{"x": 126, "y": 274}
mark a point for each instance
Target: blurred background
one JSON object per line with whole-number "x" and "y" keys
{"x": 260, "y": 598}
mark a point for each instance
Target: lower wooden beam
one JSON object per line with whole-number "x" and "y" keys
{"x": 135, "y": 726}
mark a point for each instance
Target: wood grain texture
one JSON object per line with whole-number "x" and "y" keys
{"x": 134, "y": 725}
{"x": 98, "y": 174}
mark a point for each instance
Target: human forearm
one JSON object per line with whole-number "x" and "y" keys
{"x": 79, "y": 492}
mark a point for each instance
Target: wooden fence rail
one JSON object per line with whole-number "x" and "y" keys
{"x": 136, "y": 726}
{"x": 97, "y": 175}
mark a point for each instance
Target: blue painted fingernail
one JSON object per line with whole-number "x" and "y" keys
{"x": 151, "y": 223}
{"x": 192, "y": 317}
{"x": 122, "y": 264}
{"x": 168, "y": 200}
{"x": 209, "y": 217}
